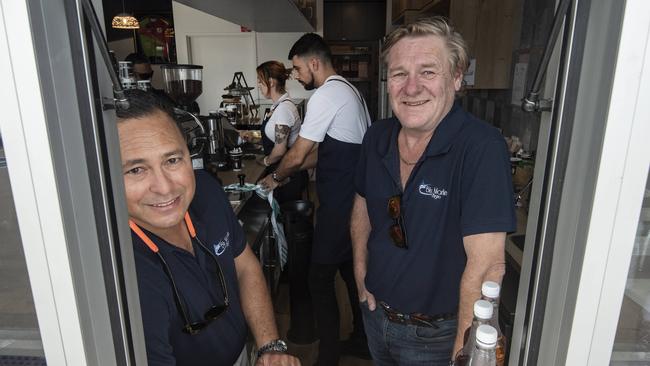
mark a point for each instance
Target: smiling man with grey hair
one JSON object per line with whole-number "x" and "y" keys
{"x": 433, "y": 204}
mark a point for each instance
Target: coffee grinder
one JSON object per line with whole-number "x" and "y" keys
{"x": 205, "y": 136}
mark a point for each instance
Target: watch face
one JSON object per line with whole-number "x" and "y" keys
{"x": 282, "y": 344}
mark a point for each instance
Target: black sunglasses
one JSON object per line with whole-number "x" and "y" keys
{"x": 397, "y": 231}
{"x": 214, "y": 312}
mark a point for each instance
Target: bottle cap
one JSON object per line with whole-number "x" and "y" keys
{"x": 483, "y": 309}
{"x": 486, "y": 336}
{"x": 490, "y": 289}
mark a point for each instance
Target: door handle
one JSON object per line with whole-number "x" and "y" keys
{"x": 532, "y": 101}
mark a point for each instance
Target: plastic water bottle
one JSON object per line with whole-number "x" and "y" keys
{"x": 482, "y": 315}
{"x": 485, "y": 347}
{"x": 491, "y": 291}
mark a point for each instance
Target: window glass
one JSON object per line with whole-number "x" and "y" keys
{"x": 632, "y": 342}
{"x": 20, "y": 340}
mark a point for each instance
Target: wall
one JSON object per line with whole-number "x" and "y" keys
{"x": 495, "y": 106}
{"x": 264, "y": 46}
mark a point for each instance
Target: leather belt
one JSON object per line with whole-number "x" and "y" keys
{"x": 418, "y": 319}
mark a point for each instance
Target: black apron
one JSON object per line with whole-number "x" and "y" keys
{"x": 335, "y": 170}
{"x": 291, "y": 191}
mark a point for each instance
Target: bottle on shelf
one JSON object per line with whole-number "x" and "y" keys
{"x": 491, "y": 292}
{"x": 482, "y": 314}
{"x": 484, "y": 353}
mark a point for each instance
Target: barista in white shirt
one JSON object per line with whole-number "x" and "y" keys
{"x": 330, "y": 140}
{"x": 280, "y": 127}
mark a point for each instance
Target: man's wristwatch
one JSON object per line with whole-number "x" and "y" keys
{"x": 276, "y": 178}
{"x": 277, "y": 345}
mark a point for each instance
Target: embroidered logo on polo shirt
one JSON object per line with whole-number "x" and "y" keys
{"x": 436, "y": 193}
{"x": 222, "y": 245}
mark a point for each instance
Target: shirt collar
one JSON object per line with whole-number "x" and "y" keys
{"x": 447, "y": 129}
{"x": 440, "y": 142}
{"x": 442, "y": 138}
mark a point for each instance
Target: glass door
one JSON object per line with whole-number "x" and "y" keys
{"x": 20, "y": 339}
{"x": 632, "y": 341}
{"x": 587, "y": 195}
{"x": 60, "y": 145}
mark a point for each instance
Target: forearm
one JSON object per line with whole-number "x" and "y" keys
{"x": 256, "y": 303}
{"x": 470, "y": 291}
{"x": 311, "y": 159}
{"x": 290, "y": 163}
{"x": 485, "y": 262}
{"x": 359, "y": 232}
{"x": 276, "y": 154}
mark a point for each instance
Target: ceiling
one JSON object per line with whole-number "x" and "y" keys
{"x": 258, "y": 15}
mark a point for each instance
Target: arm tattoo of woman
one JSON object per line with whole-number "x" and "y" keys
{"x": 281, "y": 133}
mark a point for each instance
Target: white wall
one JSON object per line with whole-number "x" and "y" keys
{"x": 191, "y": 24}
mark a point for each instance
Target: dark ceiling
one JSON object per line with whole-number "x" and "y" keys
{"x": 134, "y": 7}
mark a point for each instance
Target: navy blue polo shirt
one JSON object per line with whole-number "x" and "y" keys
{"x": 460, "y": 186}
{"x": 221, "y": 342}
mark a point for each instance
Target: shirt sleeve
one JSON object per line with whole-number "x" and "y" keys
{"x": 487, "y": 195}
{"x": 319, "y": 117}
{"x": 283, "y": 115}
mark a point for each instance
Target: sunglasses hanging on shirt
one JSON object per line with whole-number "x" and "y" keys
{"x": 215, "y": 311}
{"x": 397, "y": 231}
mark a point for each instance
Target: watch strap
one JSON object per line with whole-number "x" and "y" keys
{"x": 277, "y": 345}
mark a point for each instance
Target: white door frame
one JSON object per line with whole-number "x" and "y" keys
{"x": 62, "y": 151}
{"x": 621, "y": 180}
{"x": 31, "y": 172}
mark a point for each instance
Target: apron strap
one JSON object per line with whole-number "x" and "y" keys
{"x": 358, "y": 94}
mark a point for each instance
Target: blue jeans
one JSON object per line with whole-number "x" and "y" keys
{"x": 404, "y": 344}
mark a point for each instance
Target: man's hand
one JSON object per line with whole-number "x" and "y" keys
{"x": 268, "y": 183}
{"x": 365, "y": 295}
{"x": 277, "y": 359}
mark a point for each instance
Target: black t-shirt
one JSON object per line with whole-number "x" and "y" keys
{"x": 222, "y": 341}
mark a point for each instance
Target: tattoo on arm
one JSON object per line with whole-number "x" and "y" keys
{"x": 281, "y": 133}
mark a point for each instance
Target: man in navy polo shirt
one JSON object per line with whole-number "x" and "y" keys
{"x": 433, "y": 205}
{"x": 199, "y": 283}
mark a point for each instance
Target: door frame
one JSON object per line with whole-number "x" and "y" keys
{"x": 603, "y": 87}
{"x": 63, "y": 160}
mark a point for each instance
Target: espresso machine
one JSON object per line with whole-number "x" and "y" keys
{"x": 204, "y": 134}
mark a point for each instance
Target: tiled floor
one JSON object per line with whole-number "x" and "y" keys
{"x": 308, "y": 353}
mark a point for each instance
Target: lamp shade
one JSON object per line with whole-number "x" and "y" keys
{"x": 125, "y": 21}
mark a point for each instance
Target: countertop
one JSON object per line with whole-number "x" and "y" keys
{"x": 251, "y": 210}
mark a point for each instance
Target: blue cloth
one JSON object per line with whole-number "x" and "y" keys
{"x": 460, "y": 186}
{"x": 221, "y": 342}
{"x": 405, "y": 344}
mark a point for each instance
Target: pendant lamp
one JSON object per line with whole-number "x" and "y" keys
{"x": 124, "y": 20}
